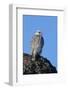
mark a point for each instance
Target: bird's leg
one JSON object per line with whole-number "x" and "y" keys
{"x": 33, "y": 55}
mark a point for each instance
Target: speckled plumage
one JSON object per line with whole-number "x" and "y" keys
{"x": 37, "y": 45}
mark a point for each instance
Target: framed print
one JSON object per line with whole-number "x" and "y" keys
{"x": 36, "y": 45}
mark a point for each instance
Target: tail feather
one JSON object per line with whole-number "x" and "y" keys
{"x": 33, "y": 56}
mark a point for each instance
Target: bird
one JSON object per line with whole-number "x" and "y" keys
{"x": 37, "y": 45}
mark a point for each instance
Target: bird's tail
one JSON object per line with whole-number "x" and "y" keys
{"x": 33, "y": 56}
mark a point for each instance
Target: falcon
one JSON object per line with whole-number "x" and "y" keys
{"x": 37, "y": 45}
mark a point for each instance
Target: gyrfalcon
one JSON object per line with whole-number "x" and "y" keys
{"x": 37, "y": 44}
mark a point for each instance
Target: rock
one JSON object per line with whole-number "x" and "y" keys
{"x": 40, "y": 66}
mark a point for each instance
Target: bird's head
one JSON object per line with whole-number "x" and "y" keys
{"x": 38, "y": 33}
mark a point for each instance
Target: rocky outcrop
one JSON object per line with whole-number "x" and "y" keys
{"x": 40, "y": 66}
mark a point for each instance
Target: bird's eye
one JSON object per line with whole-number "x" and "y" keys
{"x": 39, "y": 32}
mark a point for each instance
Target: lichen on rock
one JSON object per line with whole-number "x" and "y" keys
{"x": 40, "y": 66}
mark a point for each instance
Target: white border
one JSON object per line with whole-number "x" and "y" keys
{"x": 17, "y": 77}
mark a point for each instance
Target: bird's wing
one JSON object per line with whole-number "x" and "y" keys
{"x": 42, "y": 42}
{"x": 40, "y": 46}
{"x": 33, "y": 41}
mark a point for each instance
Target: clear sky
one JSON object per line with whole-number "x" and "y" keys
{"x": 48, "y": 26}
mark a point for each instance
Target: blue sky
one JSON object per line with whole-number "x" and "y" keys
{"x": 48, "y": 26}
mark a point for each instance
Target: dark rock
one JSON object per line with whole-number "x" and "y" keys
{"x": 40, "y": 66}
